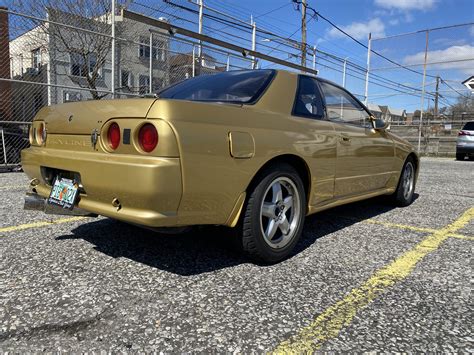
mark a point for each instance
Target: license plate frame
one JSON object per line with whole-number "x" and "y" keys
{"x": 64, "y": 193}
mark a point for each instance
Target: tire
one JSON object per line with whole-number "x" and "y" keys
{"x": 459, "y": 156}
{"x": 273, "y": 215}
{"x": 403, "y": 195}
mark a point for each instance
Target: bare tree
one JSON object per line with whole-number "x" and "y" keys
{"x": 77, "y": 31}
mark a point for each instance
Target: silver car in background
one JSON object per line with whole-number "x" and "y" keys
{"x": 465, "y": 142}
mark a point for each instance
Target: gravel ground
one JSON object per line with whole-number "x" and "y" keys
{"x": 98, "y": 284}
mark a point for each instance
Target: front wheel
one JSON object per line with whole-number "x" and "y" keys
{"x": 459, "y": 156}
{"x": 405, "y": 191}
{"x": 273, "y": 215}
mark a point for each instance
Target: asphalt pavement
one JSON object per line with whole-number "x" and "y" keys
{"x": 364, "y": 277}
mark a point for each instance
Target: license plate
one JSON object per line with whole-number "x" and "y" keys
{"x": 63, "y": 193}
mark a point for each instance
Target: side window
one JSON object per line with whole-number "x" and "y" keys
{"x": 308, "y": 102}
{"x": 342, "y": 107}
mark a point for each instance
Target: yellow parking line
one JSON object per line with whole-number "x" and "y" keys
{"x": 400, "y": 226}
{"x": 39, "y": 224}
{"x": 330, "y": 322}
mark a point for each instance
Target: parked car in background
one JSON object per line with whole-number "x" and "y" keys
{"x": 465, "y": 141}
{"x": 256, "y": 150}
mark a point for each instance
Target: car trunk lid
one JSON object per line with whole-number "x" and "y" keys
{"x": 81, "y": 118}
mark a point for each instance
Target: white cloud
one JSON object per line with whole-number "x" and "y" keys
{"x": 453, "y": 53}
{"x": 361, "y": 30}
{"x": 406, "y": 4}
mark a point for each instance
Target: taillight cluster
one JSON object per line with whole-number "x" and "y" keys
{"x": 113, "y": 136}
{"x": 464, "y": 133}
{"x": 38, "y": 133}
{"x": 147, "y": 137}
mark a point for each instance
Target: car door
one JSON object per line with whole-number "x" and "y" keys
{"x": 318, "y": 144}
{"x": 365, "y": 157}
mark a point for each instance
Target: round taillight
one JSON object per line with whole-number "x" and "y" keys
{"x": 113, "y": 135}
{"x": 40, "y": 134}
{"x": 148, "y": 137}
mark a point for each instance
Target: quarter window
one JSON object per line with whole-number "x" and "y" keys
{"x": 308, "y": 102}
{"x": 342, "y": 107}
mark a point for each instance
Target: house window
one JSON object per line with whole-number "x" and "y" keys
{"x": 125, "y": 79}
{"x": 82, "y": 65}
{"x": 36, "y": 58}
{"x": 144, "y": 49}
{"x": 144, "y": 84}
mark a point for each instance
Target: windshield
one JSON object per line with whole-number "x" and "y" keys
{"x": 243, "y": 86}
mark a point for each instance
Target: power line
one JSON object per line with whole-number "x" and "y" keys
{"x": 317, "y": 13}
{"x": 449, "y": 86}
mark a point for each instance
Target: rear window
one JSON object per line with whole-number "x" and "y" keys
{"x": 243, "y": 86}
{"x": 469, "y": 126}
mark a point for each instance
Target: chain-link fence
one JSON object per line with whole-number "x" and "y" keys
{"x": 77, "y": 51}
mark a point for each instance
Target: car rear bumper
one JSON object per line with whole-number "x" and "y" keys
{"x": 465, "y": 149}
{"x": 148, "y": 189}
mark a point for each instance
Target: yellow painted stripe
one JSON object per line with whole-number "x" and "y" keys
{"x": 400, "y": 226}
{"x": 39, "y": 224}
{"x": 460, "y": 236}
{"x": 13, "y": 187}
{"x": 330, "y": 322}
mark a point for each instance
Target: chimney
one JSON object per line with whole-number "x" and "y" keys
{"x": 5, "y": 86}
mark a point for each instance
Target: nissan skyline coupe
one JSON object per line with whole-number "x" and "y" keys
{"x": 254, "y": 150}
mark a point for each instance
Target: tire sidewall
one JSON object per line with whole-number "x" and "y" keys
{"x": 266, "y": 251}
{"x": 400, "y": 198}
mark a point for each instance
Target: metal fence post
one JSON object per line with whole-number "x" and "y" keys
{"x": 368, "y": 70}
{"x": 4, "y": 148}
{"x": 201, "y": 9}
{"x": 254, "y": 43}
{"x": 314, "y": 57}
{"x": 344, "y": 73}
{"x": 112, "y": 81}
{"x": 423, "y": 93}
{"x": 194, "y": 61}
{"x": 150, "y": 78}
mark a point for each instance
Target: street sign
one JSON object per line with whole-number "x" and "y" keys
{"x": 469, "y": 83}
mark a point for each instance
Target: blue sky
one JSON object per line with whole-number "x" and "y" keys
{"x": 382, "y": 18}
{"x": 358, "y": 17}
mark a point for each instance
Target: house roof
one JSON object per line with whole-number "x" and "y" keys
{"x": 397, "y": 112}
{"x": 374, "y": 107}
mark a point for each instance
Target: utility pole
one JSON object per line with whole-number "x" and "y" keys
{"x": 436, "y": 98}
{"x": 303, "y": 33}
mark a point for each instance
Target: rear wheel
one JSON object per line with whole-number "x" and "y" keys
{"x": 459, "y": 156}
{"x": 405, "y": 191}
{"x": 273, "y": 215}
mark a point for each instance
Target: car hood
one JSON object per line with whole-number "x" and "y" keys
{"x": 85, "y": 116}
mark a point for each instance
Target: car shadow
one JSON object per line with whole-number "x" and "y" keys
{"x": 208, "y": 248}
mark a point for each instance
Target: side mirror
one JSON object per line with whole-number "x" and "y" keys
{"x": 379, "y": 124}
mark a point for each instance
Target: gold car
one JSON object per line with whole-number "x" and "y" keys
{"x": 257, "y": 150}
